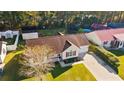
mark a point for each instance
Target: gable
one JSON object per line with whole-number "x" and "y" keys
{"x": 67, "y": 45}
{"x": 71, "y": 47}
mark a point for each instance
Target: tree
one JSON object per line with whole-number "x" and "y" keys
{"x": 34, "y": 62}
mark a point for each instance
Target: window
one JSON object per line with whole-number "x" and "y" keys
{"x": 67, "y": 54}
{"x": 117, "y": 44}
{"x": 71, "y": 53}
{"x": 121, "y": 43}
{"x": 74, "y": 53}
{"x": 105, "y": 42}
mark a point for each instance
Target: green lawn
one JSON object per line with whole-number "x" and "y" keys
{"x": 11, "y": 67}
{"x": 77, "y": 72}
{"x": 121, "y": 67}
{"x": 120, "y": 55}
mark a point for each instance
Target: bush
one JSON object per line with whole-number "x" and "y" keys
{"x": 107, "y": 56}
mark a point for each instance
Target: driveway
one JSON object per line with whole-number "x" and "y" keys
{"x": 100, "y": 69}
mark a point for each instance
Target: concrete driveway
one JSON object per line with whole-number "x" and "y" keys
{"x": 100, "y": 69}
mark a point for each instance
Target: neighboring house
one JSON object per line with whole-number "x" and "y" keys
{"x": 3, "y": 51}
{"x": 65, "y": 46}
{"x": 29, "y": 34}
{"x": 118, "y": 41}
{"x": 11, "y": 38}
{"x": 112, "y": 38}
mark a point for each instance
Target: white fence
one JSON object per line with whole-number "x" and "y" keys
{"x": 14, "y": 46}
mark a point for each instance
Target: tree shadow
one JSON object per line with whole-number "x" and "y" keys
{"x": 10, "y": 72}
{"x": 58, "y": 70}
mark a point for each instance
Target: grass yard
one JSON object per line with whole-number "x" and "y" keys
{"x": 51, "y": 32}
{"x": 77, "y": 72}
{"x": 11, "y": 67}
{"x": 120, "y": 55}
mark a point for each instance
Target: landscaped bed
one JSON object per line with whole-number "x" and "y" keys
{"x": 120, "y": 55}
{"x": 108, "y": 57}
{"x": 71, "y": 60}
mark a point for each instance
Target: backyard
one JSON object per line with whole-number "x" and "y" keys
{"x": 51, "y": 32}
{"x": 120, "y": 55}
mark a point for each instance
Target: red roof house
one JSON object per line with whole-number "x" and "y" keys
{"x": 104, "y": 37}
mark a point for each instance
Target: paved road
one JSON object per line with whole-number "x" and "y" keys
{"x": 100, "y": 69}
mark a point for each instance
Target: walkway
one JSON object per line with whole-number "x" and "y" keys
{"x": 100, "y": 69}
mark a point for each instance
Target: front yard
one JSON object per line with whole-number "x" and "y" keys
{"x": 120, "y": 55}
{"x": 75, "y": 73}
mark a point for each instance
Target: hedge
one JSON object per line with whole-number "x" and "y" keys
{"x": 107, "y": 56}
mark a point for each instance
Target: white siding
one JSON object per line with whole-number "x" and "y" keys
{"x": 71, "y": 48}
{"x": 107, "y": 45}
{"x": 29, "y": 35}
{"x": 84, "y": 49}
{"x": 3, "y": 55}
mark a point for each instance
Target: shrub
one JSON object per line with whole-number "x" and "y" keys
{"x": 107, "y": 56}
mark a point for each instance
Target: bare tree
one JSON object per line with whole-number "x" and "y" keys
{"x": 35, "y": 61}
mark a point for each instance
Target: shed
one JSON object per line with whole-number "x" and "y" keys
{"x": 29, "y": 34}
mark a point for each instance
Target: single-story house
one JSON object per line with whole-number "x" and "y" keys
{"x": 65, "y": 46}
{"x": 111, "y": 38}
{"x": 29, "y": 34}
{"x": 3, "y": 51}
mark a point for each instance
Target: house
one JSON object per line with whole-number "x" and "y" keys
{"x": 11, "y": 38}
{"x": 118, "y": 41}
{"x": 29, "y": 34}
{"x": 3, "y": 52}
{"x": 111, "y": 38}
{"x": 65, "y": 46}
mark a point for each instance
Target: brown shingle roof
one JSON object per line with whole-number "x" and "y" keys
{"x": 57, "y": 43}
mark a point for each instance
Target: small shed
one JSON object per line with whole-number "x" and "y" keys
{"x": 29, "y": 34}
